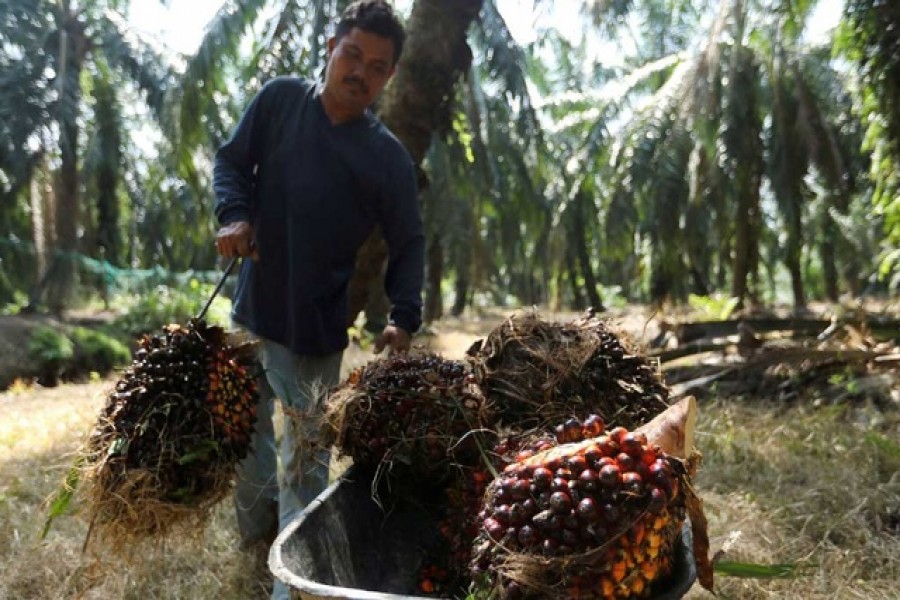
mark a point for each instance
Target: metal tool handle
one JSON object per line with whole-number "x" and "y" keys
{"x": 216, "y": 291}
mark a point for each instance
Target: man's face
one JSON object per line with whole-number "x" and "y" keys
{"x": 359, "y": 66}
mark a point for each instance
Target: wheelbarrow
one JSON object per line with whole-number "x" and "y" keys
{"x": 344, "y": 545}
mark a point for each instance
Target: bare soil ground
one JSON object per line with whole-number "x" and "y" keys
{"x": 807, "y": 482}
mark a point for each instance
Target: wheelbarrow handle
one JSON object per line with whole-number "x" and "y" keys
{"x": 216, "y": 291}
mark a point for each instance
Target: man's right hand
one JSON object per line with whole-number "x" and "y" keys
{"x": 236, "y": 239}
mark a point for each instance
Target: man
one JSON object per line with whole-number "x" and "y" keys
{"x": 307, "y": 174}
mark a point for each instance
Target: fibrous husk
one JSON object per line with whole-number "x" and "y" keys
{"x": 165, "y": 446}
{"x": 417, "y": 410}
{"x": 537, "y": 373}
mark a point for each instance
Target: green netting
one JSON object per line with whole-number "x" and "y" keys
{"x": 96, "y": 273}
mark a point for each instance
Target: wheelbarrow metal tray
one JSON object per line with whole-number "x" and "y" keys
{"x": 345, "y": 546}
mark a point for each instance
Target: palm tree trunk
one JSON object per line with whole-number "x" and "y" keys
{"x": 578, "y": 300}
{"x": 463, "y": 259}
{"x": 461, "y": 291}
{"x": 748, "y": 203}
{"x": 792, "y": 259}
{"x": 60, "y": 286}
{"x": 827, "y": 254}
{"x": 416, "y": 104}
{"x": 73, "y": 49}
{"x": 582, "y": 253}
{"x": 39, "y": 222}
{"x": 434, "y": 303}
{"x": 745, "y": 148}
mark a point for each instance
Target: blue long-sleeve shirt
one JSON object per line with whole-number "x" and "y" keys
{"x": 313, "y": 192}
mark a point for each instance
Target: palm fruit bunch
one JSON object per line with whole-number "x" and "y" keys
{"x": 596, "y": 516}
{"x": 448, "y": 572}
{"x": 537, "y": 373}
{"x": 465, "y": 493}
{"x": 171, "y": 432}
{"x": 408, "y": 409}
{"x": 231, "y": 397}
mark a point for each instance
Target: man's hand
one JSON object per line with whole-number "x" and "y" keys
{"x": 236, "y": 239}
{"x": 398, "y": 339}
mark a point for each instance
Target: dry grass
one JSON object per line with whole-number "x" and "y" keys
{"x": 41, "y": 430}
{"x": 820, "y": 485}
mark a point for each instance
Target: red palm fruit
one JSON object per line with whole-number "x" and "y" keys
{"x": 625, "y": 462}
{"x": 608, "y": 445}
{"x": 593, "y": 426}
{"x": 617, "y": 433}
{"x": 560, "y": 502}
{"x": 587, "y": 510}
{"x": 657, "y": 501}
{"x": 632, "y": 483}
{"x": 589, "y": 480}
{"x": 524, "y": 455}
{"x": 516, "y": 514}
{"x": 592, "y": 454}
{"x": 633, "y": 443}
{"x": 610, "y": 513}
{"x": 577, "y": 464}
{"x": 494, "y": 528}
{"x": 650, "y": 455}
{"x": 503, "y": 514}
{"x": 542, "y": 477}
{"x": 543, "y": 499}
{"x": 528, "y": 536}
{"x": 573, "y": 429}
{"x": 521, "y": 489}
{"x": 560, "y": 433}
{"x": 605, "y": 461}
{"x": 549, "y": 547}
{"x": 564, "y": 473}
{"x": 610, "y": 476}
{"x": 557, "y": 524}
{"x": 529, "y": 506}
{"x": 660, "y": 472}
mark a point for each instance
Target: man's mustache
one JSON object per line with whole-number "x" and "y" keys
{"x": 359, "y": 83}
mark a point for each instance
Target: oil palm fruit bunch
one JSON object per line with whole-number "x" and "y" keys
{"x": 231, "y": 398}
{"x": 171, "y": 432}
{"x": 595, "y": 517}
{"x": 538, "y": 373}
{"x": 415, "y": 410}
{"x": 465, "y": 492}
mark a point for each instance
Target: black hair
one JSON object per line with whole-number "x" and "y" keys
{"x": 373, "y": 16}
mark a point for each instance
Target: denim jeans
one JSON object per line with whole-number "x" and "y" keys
{"x": 298, "y": 382}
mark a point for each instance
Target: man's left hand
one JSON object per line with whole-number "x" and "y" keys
{"x": 397, "y": 338}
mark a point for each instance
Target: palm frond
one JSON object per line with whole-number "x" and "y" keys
{"x": 821, "y": 139}
{"x": 126, "y": 51}
{"x": 507, "y": 63}
{"x": 203, "y": 75}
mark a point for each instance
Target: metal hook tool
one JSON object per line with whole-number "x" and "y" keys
{"x": 216, "y": 291}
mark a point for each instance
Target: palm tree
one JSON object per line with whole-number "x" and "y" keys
{"x": 62, "y": 45}
{"x": 703, "y": 139}
{"x": 870, "y": 37}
